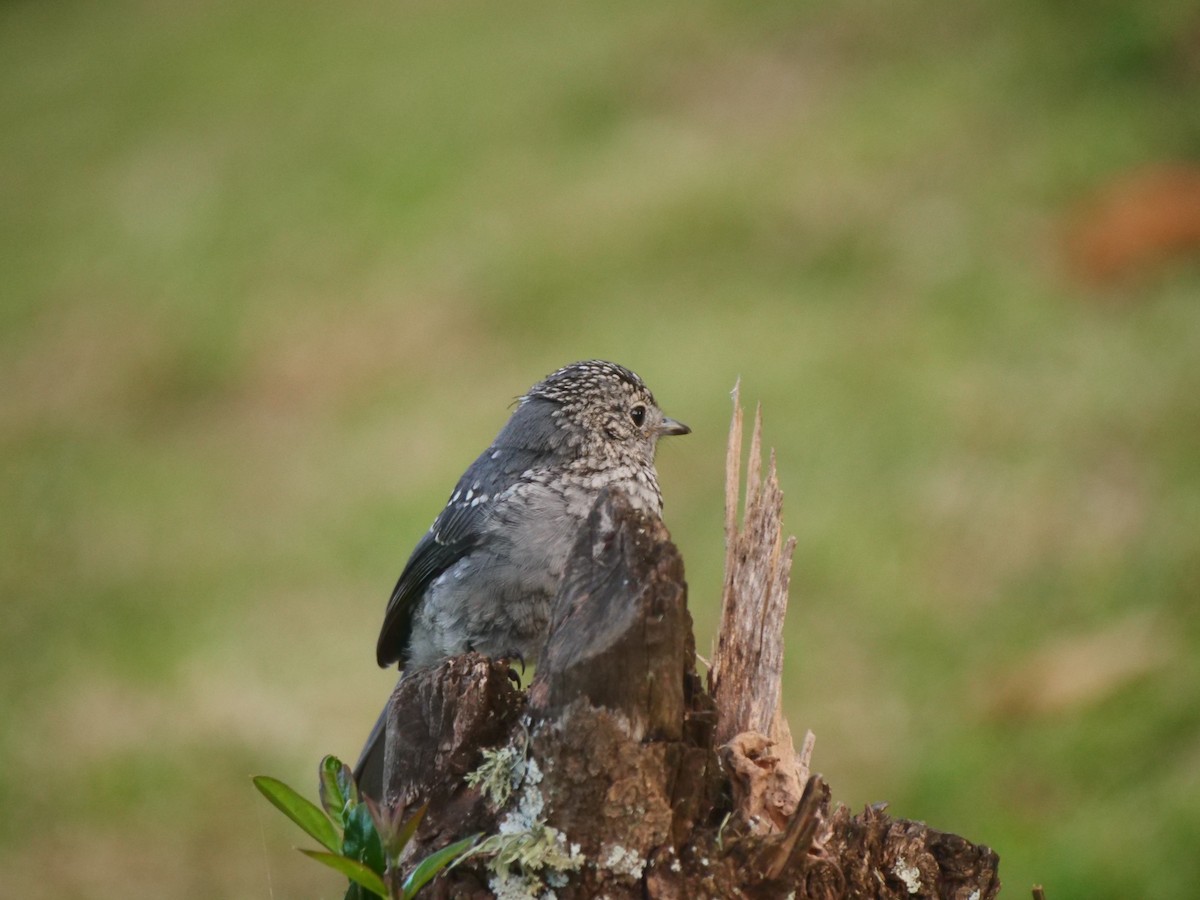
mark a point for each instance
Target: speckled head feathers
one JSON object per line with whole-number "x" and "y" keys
{"x": 605, "y": 403}
{"x": 589, "y": 379}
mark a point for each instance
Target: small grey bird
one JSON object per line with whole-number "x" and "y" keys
{"x": 483, "y": 577}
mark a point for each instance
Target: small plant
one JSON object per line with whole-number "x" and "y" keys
{"x": 362, "y": 840}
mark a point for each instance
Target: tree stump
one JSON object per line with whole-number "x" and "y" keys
{"x": 620, "y": 773}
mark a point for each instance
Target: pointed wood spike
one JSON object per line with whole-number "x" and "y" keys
{"x": 733, "y": 466}
{"x": 754, "y": 465}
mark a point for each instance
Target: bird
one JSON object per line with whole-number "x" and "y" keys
{"x": 483, "y": 577}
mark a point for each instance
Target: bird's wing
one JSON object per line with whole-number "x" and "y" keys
{"x": 531, "y": 439}
{"x": 455, "y": 532}
{"x": 458, "y": 529}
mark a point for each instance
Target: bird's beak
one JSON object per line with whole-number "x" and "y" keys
{"x": 670, "y": 426}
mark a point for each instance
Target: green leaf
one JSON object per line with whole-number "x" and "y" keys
{"x": 303, "y": 812}
{"x": 352, "y": 869}
{"x": 337, "y": 788}
{"x": 405, "y": 832}
{"x": 433, "y": 864}
{"x": 360, "y": 840}
{"x": 394, "y": 831}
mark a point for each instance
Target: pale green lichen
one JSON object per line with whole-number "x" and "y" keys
{"x": 528, "y": 857}
{"x": 500, "y": 773}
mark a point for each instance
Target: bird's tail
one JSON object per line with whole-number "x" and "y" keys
{"x": 368, "y": 771}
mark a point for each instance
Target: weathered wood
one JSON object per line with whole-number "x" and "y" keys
{"x": 895, "y": 859}
{"x": 620, "y": 632}
{"x": 439, "y": 722}
{"x": 611, "y": 700}
{"x": 746, "y": 677}
{"x": 440, "y": 718}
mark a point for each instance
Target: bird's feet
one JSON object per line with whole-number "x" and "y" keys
{"x": 510, "y": 657}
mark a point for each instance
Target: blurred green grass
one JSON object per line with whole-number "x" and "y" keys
{"x": 271, "y": 274}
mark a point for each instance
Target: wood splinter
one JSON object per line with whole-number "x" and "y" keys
{"x": 746, "y": 676}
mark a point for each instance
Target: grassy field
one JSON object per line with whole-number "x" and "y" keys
{"x": 271, "y": 273}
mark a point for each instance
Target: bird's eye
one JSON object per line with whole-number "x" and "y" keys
{"x": 638, "y": 414}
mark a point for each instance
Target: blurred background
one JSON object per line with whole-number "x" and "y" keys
{"x": 270, "y": 275}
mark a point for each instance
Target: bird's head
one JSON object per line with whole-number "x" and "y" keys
{"x": 605, "y": 408}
